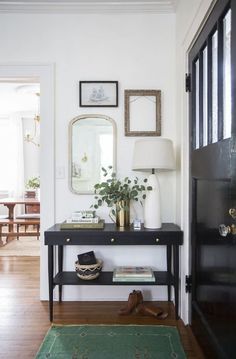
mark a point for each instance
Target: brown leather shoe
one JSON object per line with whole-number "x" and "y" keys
{"x": 139, "y": 296}
{"x": 135, "y": 298}
{"x": 151, "y": 310}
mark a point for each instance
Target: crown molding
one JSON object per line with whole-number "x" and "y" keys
{"x": 83, "y": 7}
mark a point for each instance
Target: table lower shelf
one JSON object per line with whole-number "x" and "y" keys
{"x": 105, "y": 278}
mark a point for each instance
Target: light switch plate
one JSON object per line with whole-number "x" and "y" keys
{"x": 60, "y": 172}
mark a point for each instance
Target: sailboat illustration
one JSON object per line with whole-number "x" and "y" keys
{"x": 98, "y": 95}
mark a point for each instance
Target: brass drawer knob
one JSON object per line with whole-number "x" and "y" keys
{"x": 112, "y": 240}
{"x": 157, "y": 240}
{"x": 67, "y": 240}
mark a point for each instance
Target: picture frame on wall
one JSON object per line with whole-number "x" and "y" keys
{"x": 142, "y": 113}
{"x": 98, "y": 93}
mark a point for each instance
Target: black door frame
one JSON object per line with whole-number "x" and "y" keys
{"x": 209, "y": 28}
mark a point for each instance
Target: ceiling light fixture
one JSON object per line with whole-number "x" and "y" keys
{"x": 34, "y": 138}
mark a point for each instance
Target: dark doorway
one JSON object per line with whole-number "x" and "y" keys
{"x": 212, "y": 67}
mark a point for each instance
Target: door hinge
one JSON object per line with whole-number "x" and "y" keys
{"x": 187, "y": 82}
{"x": 188, "y": 283}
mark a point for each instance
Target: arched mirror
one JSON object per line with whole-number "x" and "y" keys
{"x": 92, "y": 142}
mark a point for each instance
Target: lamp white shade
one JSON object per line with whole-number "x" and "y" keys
{"x": 151, "y": 154}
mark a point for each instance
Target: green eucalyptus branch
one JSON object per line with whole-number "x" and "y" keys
{"x": 113, "y": 190}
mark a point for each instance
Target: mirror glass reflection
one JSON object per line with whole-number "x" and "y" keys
{"x": 92, "y": 146}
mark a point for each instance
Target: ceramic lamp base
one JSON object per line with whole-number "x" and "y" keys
{"x": 152, "y": 204}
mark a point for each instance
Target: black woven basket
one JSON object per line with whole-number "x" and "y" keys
{"x": 88, "y": 271}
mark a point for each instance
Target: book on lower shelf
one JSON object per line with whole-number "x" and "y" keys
{"x": 133, "y": 279}
{"x": 133, "y": 274}
{"x": 76, "y": 225}
{"x": 130, "y": 271}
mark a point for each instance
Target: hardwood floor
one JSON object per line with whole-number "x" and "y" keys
{"x": 24, "y": 319}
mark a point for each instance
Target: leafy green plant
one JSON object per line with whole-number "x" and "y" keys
{"x": 33, "y": 183}
{"x": 113, "y": 191}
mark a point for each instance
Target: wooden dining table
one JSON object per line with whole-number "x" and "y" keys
{"x": 11, "y": 202}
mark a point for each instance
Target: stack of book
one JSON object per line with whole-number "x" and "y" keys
{"x": 30, "y": 194}
{"x": 83, "y": 220}
{"x": 78, "y": 215}
{"x": 133, "y": 274}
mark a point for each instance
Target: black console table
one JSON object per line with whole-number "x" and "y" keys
{"x": 169, "y": 235}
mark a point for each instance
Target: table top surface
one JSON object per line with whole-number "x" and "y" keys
{"x": 20, "y": 200}
{"x": 111, "y": 227}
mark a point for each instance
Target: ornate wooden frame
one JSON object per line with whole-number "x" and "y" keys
{"x": 157, "y": 119}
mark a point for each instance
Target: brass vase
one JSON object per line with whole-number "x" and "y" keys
{"x": 123, "y": 214}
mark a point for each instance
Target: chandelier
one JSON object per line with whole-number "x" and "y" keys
{"x": 34, "y": 136}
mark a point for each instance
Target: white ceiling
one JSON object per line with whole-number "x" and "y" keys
{"x": 88, "y": 6}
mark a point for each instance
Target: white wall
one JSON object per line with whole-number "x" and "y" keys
{"x": 140, "y": 52}
{"x": 136, "y": 50}
{"x": 190, "y": 17}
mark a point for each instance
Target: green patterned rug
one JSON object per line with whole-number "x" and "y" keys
{"x": 111, "y": 342}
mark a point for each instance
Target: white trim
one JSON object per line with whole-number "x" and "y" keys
{"x": 199, "y": 19}
{"x": 45, "y": 75}
{"x": 38, "y": 6}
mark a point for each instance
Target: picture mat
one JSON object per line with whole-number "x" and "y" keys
{"x": 142, "y": 113}
{"x": 90, "y": 94}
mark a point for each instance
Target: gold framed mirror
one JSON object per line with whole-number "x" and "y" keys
{"x": 92, "y": 145}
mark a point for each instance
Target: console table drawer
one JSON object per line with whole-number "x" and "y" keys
{"x": 103, "y": 239}
{"x": 110, "y": 236}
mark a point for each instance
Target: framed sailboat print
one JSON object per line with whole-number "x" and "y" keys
{"x": 98, "y": 93}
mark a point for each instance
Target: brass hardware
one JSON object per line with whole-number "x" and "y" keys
{"x": 32, "y": 137}
{"x": 67, "y": 240}
{"x": 112, "y": 240}
{"x": 233, "y": 229}
{"x": 157, "y": 239}
{"x": 232, "y": 212}
{"x": 224, "y": 230}
{"x": 84, "y": 158}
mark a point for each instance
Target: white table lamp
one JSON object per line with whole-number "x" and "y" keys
{"x": 151, "y": 155}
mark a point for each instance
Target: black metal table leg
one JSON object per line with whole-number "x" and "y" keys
{"x": 176, "y": 279}
{"x": 50, "y": 281}
{"x": 60, "y": 268}
{"x": 169, "y": 261}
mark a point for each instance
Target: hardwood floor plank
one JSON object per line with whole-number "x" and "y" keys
{"x": 24, "y": 319}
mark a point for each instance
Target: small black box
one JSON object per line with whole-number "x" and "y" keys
{"x": 87, "y": 258}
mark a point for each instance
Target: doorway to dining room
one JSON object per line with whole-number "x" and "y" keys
{"x": 45, "y": 73}
{"x": 20, "y": 158}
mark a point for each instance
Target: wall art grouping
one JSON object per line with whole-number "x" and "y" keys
{"x": 142, "y": 107}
